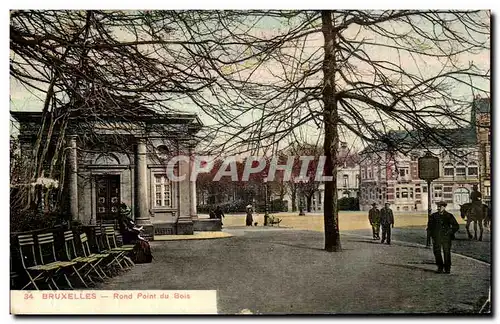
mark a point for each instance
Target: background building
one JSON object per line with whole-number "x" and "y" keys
{"x": 481, "y": 117}
{"x": 393, "y": 178}
{"x": 347, "y": 179}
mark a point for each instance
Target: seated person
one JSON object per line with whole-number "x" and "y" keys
{"x": 128, "y": 228}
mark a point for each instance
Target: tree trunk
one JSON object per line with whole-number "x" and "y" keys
{"x": 294, "y": 200}
{"x": 332, "y": 235}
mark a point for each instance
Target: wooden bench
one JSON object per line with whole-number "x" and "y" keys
{"x": 274, "y": 220}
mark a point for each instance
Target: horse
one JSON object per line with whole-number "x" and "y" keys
{"x": 467, "y": 210}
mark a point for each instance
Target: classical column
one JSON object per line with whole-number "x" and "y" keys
{"x": 73, "y": 177}
{"x": 192, "y": 187}
{"x": 185, "y": 225}
{"x": 142, "y": 217}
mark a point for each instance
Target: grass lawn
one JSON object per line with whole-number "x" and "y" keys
{"x": 348, "y": 220}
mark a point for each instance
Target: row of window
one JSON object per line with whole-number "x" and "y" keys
{"x": 345, "y": 181}
{"x": 460, "y": 169}
{"x": 439, "y": 191}
{"x": 450, "y": 170}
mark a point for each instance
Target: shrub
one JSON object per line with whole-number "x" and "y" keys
{"x": 350, "y": 203}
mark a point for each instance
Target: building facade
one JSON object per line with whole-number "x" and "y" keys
{"x": 482, "y": 118}
{"x": 348, "y": 180}
{"x": 129, "y": 167}
{"x": 393, "y": 178}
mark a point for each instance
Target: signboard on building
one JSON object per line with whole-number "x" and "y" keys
{"x": 428, "y": 167}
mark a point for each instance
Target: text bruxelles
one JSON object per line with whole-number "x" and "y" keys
{"x": 69, "y": 295}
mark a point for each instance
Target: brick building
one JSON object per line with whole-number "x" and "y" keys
{"x": 393, "y": 178}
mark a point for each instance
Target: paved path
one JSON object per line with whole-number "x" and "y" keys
{"x": 462, "y": 245}
{"x": 286, "y": 271}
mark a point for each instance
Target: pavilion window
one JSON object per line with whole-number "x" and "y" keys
{"x": 162, "y": 191}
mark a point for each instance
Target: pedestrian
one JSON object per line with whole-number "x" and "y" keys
{"x": 386, "y": 221}
{"x": 249, "y": 218}
{"x": 219, "y": 214}
{"x": 442, "y": 227}
{"x": 374, "y": 218}
{"x": 211, "y": 214}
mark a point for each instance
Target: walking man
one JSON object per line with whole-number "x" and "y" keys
{"x": 386, "y": 220}
{"x": 374, "y": 218}
{"x": 442, "y": 227}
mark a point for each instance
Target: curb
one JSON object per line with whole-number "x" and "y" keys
{"x": 404, "y": 243}
{"x": 164, "y": 238}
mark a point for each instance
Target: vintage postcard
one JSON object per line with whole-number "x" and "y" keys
{"x": 253, "y": 162}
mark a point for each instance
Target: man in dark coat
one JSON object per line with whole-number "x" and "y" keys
{"x": 219, "y": 214}
{"x": 386, "y": 220}
{"x": 374, "y": 218}
{"x": 249, "y": 218}
{"x": 442, "y": 227}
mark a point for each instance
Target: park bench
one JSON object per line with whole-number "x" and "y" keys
{"x": 274, "y": 220}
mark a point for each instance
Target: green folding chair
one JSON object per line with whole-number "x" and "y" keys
{"x": 83, "y": 263}
{"x": 64, "y": 268}
{"x": 110, "y": 263}
{"x": 35, "y": 272}
{"x": 120, "y": 253}
{"x": 98, "y": 257}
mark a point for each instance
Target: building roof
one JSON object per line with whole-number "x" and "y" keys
{"x": 420, "y": 139}
{"x": 144, "y": 115}
{"x": 482, "y": 105}
{"x": 434, "y": 137}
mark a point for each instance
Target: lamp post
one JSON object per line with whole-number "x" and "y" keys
{"x": 428, "y": 170}
{"x": 266, "y": 212}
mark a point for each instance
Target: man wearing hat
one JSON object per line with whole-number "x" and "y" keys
{"x": 442, "y": 227}
{"x": 386, "y": 220}
{"x": 249, "y": 218}
{"x": 374, "y": 218}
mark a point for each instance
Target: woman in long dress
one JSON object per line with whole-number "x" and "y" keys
{"x": 249, "y": 219}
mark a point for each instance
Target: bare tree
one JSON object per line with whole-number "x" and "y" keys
{"x": 262, "y": 77}
{"x": 95, "y": 70}
{"x": 360, "y": 73}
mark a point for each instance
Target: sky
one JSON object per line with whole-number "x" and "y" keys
{"x": 23, "y": 101}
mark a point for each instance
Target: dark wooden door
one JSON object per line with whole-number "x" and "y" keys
{"x": 108, "y": 197}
